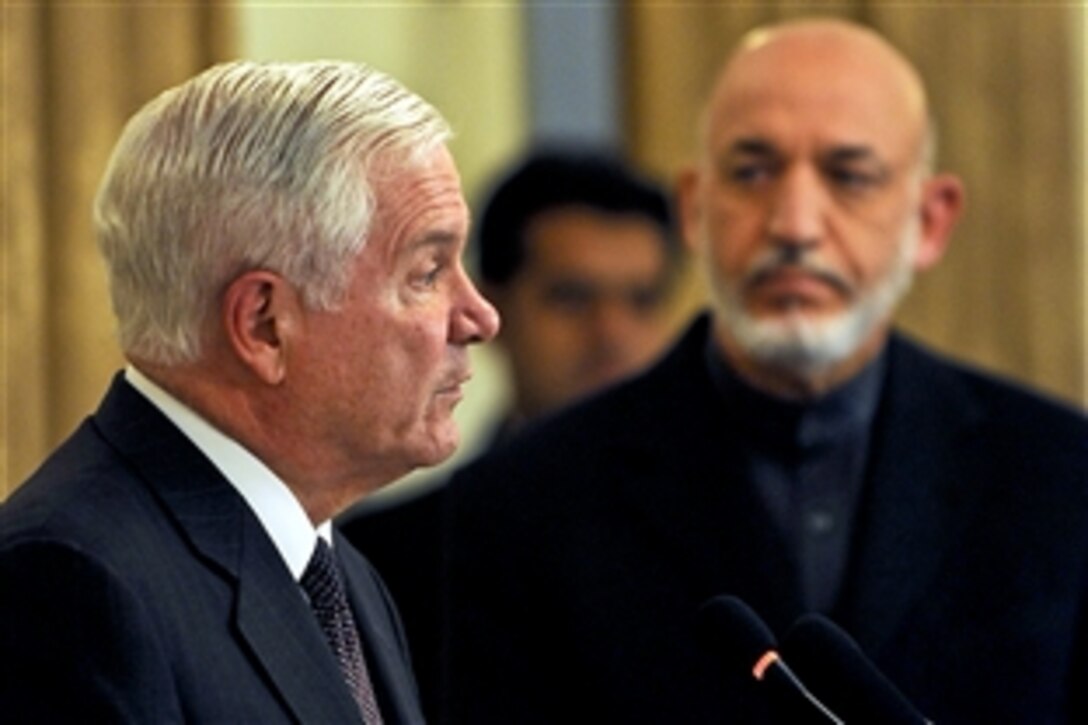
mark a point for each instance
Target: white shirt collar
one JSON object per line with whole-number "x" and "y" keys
{"x": 280, "y": 513}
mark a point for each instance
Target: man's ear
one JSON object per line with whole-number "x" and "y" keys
{"x": 689, "y": 207}
{"x": 942, "y": 203}
{"x": 261, "y": 313}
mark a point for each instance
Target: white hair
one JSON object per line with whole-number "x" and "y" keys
{"x": 248, "y": 166}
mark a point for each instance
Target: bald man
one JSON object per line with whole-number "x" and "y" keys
{"x": 792, "y": 450}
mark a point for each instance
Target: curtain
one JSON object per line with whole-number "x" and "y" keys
{"x": 73, "y": 72}
{"x": 1005, "y": 86}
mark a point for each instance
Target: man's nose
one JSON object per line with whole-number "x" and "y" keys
{"x": 475, "y": 319}
{"x": 798, "y": 209}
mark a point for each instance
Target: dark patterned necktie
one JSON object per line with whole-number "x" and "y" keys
{"x": 328, "y": 598}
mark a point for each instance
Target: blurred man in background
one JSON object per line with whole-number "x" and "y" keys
{"x": 578, "y": 252}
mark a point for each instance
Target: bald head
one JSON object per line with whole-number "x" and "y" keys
{"x": 833, "y": 67}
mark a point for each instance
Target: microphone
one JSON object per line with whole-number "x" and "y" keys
{"x": 834, "y": 665}
{"x": 728, "y": 625}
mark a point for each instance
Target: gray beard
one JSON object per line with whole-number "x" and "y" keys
{"x": 808, "y": 346}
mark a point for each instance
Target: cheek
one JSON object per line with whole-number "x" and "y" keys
{"x": 734, "y": 233}
{"x": 872, "y": 249}
{"x": 648, "y": 335}
{"x": 395, "y": 357}
{"x": 405, "y": 368}
{"x": 423, "y": 346}
{"x": 726, "y": 259}
{"x": 536, "y": 342}
{"x": 564, "y": 340}
{"x": 531, "y": 325}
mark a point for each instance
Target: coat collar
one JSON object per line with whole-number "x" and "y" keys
{"x": 910, "y": 514}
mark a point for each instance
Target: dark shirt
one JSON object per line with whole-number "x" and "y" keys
{"x": 807, "y": 461}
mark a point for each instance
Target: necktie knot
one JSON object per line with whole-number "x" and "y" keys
{"x": 322, "y": 584}
{"x": 328, "y": 598}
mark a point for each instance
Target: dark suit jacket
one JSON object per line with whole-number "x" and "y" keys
{"x": 577, "y": 555}
{"x": 137, "y": 586}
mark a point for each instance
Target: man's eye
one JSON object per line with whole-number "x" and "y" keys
{"x": 571, "y": 298}
{"x": 429, "y": 277}
{"x": 646, "y": 300}
{"x": 854, "y": 179}
{"x": 750, "y": 173}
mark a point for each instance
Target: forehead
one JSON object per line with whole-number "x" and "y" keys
{"x": 814, "y": 93}
{"x": 581, "y": 238}
{"x": 419, "y": 201}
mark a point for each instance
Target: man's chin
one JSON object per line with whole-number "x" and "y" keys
{"x": 807, "y": 344}
{"x": 440, "y": 448}
{"x": 788, "y": 318}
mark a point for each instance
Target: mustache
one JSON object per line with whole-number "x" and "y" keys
{"x": 794, "y": 259}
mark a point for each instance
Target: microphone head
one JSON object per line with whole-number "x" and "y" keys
{"x": 834, "y": 666}
{"x": 727, "y": 624}
{"x": 729, "y": 629}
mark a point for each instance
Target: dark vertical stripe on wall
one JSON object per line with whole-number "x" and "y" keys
{"x": 573, "y": 71}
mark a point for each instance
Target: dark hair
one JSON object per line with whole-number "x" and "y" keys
{"x": 549, "y": 179}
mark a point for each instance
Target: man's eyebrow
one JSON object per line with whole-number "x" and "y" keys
{"x": 751, "y": 147}
{"x": 437, "y": 238}
{"x": 852, "y": 152}
{"x": 864, "y": 158}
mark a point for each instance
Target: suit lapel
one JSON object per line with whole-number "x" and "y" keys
{"x": 190, "y": 488}
{"x": 385, "y": 656}
{"x": 912, "y": 511}
{"x": 279, "y": 626}
{"x": 273, "y": 618}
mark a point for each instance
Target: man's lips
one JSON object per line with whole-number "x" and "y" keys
{"x": 797, "y": 281}
{"x": 454, "y": 388}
